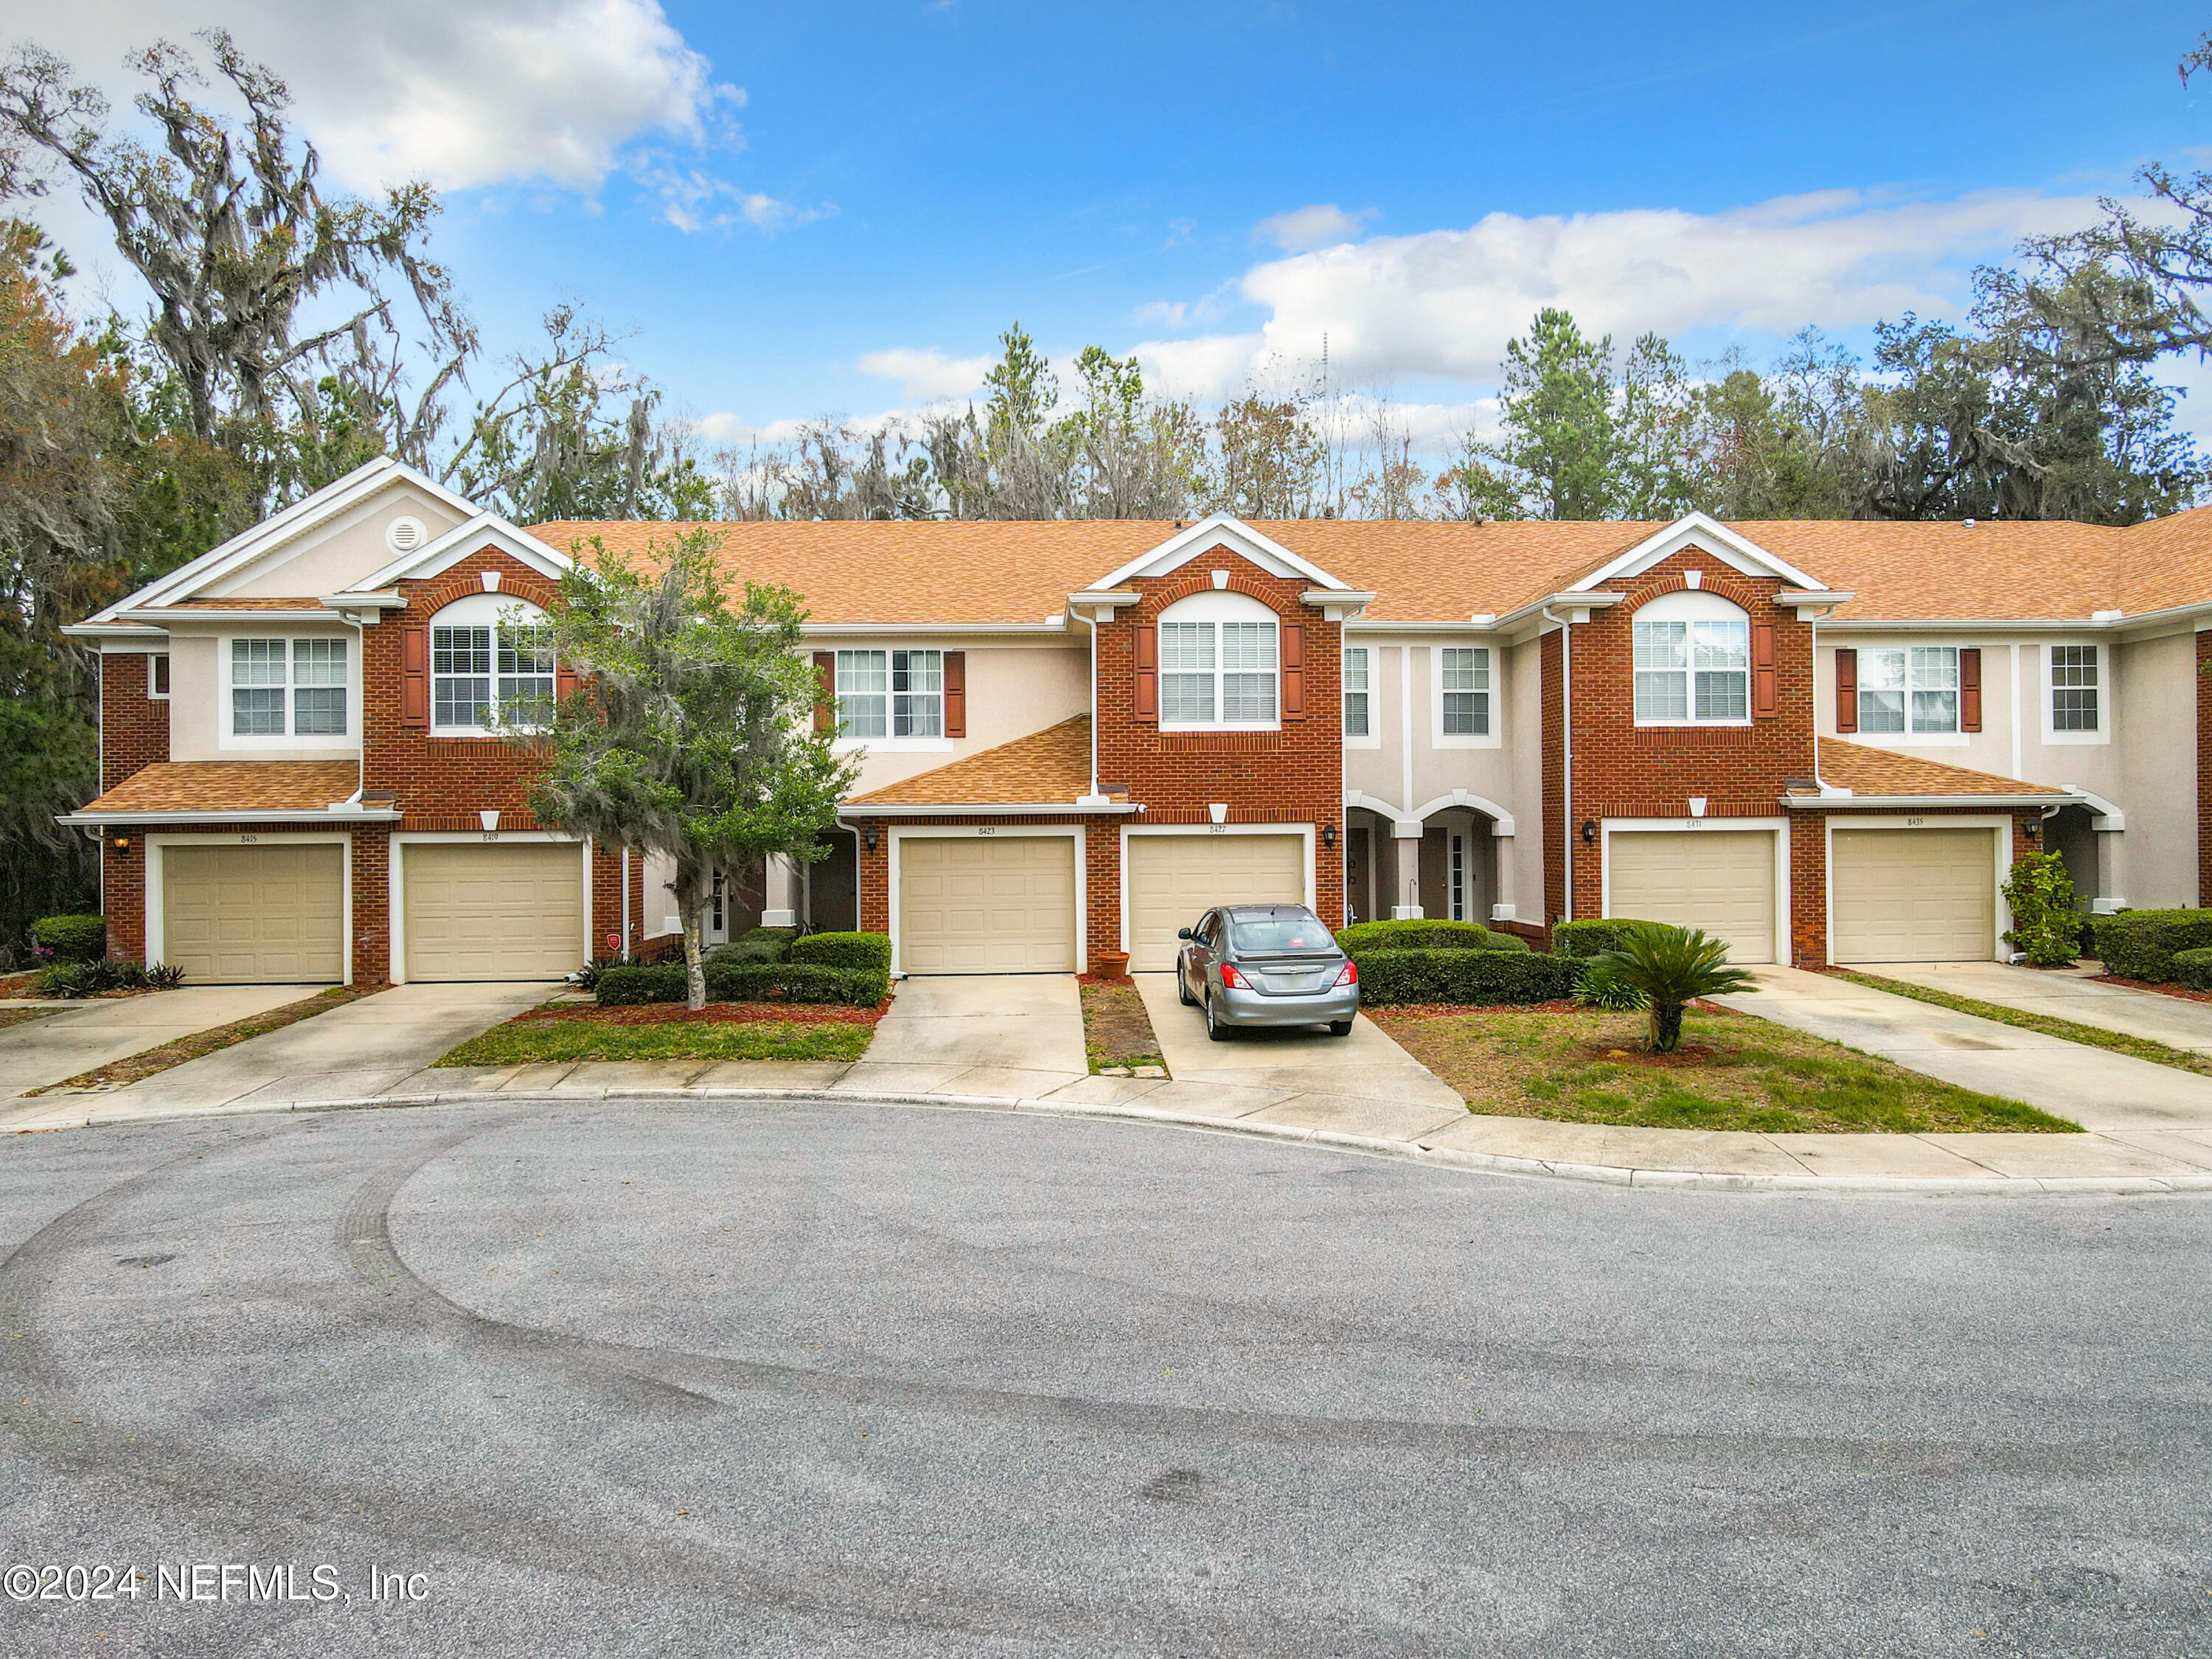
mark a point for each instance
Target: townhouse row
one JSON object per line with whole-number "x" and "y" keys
{"x": 1824, "y": 742}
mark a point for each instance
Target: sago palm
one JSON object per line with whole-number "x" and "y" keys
{"x": 1671, "y": 966}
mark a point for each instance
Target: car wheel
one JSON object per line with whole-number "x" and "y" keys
{"x": 1214, "y": 1028}
{"x": 1182, "y": 986}
{"x": 1339, "y": 1027}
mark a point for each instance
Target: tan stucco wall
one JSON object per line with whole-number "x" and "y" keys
{"x": 196, "y": 703}
{"x": 1012, "y": 691}
{"x": 337, "y": 556}
{"x": 2156, "y": 756}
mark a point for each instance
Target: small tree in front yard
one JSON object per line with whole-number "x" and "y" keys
{"x": 2044, "y": 922}
{"x": 1672, "y": 967}
{"x": 688, "y": 734}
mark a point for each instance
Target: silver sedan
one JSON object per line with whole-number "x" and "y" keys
{"x": 1266, "y": 964}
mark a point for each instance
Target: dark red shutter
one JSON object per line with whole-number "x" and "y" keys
{"x": 825, "y": 700}
{"x": 956, "y": 694}
{"x": 1765, "y": 697}
{"x": 1294, "y": 671}
{"x": 1970, "y": 689}
{"x": 415, "y": 676}
{"x": 1847, "y": 689}
{"x": 1148, "y": 672}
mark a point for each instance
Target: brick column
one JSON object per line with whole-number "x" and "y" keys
{"x": 371, "y": 905}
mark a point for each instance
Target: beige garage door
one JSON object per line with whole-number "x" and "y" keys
{"x": 1176, "y": 879}
{"x": 510, "y": 910}
{"x": 1721, "y": 881}
{"x": 255, "y": 915}
{"x": 1913, "y": 895}
{"x": 987, "y": 904}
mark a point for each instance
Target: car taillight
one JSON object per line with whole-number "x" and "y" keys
{"x": 1349, "y": 976}
{"x": 1231, "y": 979}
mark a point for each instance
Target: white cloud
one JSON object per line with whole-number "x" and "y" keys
{"x": 1321, "y": 224}
{"x": 459, "y": 92}
{"x": 1441, "y": 305}
{"x": 926, "y": 375}
{"x": 691, "y": 199}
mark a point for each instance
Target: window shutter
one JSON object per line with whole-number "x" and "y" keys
{"x": 1294, "y": 671}
{"x": 1969, "y": 689}
{"x": 1847, "y": 689}
{"x": 415, "y": 676}
{"x": 1766, "y": 698}
{"x": 956, "y": 694}
{"x": 1148, "y": 672}
{"x": 825, "y": 700}
{"x": 564, "y": 681}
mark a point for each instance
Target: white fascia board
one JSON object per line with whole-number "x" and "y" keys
{"x": 985, "y": 810}
{"x": 1913, "y": 803}
{"x": 162, "y": 618}
{"x": 450, "y": 549}
{"x": 364, "y": 602}
{"x": 96, "y": 630}
{"x": 1572, "y": 601}
{"x": 917, "y": 630}
{"x": 1737, "y": 552}
{"x": 1337, "y": 605}
{"x": 1365, "y": 625}
{"x": 1224, "y": 528}
{"x": 309, "y": 816}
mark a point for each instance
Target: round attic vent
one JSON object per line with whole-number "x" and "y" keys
{"x": 404, "y": 534}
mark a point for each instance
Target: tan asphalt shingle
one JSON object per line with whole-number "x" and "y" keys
{"x": 232, "y": 787}
{"x": 1867, "y": 771}
{"x": 1048, "y": 766}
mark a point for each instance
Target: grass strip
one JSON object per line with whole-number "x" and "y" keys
{"x": 1116, "y": 1029}
{"x": 1734, "y": 1071}
{"x": 2094, "y": 1037}
{"x": 136, "y": 1068}
{"x": 546, "y": 1041}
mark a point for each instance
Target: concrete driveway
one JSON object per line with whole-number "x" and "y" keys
{"x": 2078, "y": 994}
{"x": 2096, "y": 1088}
{"x": 1008, "y": 1036}
{"x": 98, "y": 1033}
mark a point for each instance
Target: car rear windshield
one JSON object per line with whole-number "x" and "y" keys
{"x": 1263, "y": 935}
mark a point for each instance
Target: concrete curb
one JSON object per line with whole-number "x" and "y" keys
{"x": 1329, "y": 1140}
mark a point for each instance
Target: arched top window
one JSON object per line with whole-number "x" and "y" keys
{"x": 491, "y": 666}
{"x": 1220, "y": 665}
{"x": 1693, "y": 661}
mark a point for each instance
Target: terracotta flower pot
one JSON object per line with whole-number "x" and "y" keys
{"x": 1109, "y": 964}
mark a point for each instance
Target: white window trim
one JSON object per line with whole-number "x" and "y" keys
{"x": 157, "y": 873}
{"x": 843, "y": 745}
{"x": 900, "y": 834}
{"x": 2000, "y": 843}
{"x": 1785, "y": 946}
{"x": 152, "y": 695}
{"x": 2044, "y": 671}
{"x": 1305, "y": 832}
{"x": 1495, "y": 737}
{"x": 1374, "y": 738}
{"x": 1694, "y": 605}
{"x": 396, "y": 885}
{"x": 1218, "y": 606}
{"x": 1910, "y": 739}
{"x": 484, "y": 611}
{"x": 341, "y": 743}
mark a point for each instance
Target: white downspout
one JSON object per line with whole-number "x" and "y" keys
{"x": 1567, "y": 757}
{"x": 1094, "y": 706}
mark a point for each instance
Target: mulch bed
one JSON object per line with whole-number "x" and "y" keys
{"x": 18, "y": 985}
{"x": 1117, "y": 1031}
{"x": 2180, "y": 992}
{"x": 715, "y": 1013}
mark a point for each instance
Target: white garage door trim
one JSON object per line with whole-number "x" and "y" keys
{"x": 2000, "y": 856}
{"x": 1305, "y": 832}
{"x": 396, "y": 882}
{"x": 155, "y": 898}
{"x": 1783, "y": 943}
{"x": 1003, "y": 832}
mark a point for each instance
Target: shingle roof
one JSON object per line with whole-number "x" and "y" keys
{"x": 1419, "y": 571}
{"x": 231, "y": 786}
{"x": 242, "y": 604}
{"x": 1051, "y": 766}
{"x": 1884, "y": 772}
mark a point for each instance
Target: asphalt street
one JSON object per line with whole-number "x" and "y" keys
{"x": 837, "y": 1378}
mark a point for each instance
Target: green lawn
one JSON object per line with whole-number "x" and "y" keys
{"x": 527, "y": 1042}
{"x": 2095, "y": 1037}
{"x": 1736, "y": 1071}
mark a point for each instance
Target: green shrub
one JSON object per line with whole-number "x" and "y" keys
{"x": 1602, "y": 988}
{"x": 2141, "y": 944}
{"x": 1587, "y": 938}
{"x": 1477, "y": 978}
{"x": 72, "y": 939}
{"x": 2045, "y": 923}
{"x": 871, "y": 953}
{"x": 1672, "y": 967}
{"x": 2194, "y": 967}
{"x": 744, "y": 982}
{"x": 102, "y": 973}
{"x": 1363, "y": 936}
{"x": 758, "y": 944}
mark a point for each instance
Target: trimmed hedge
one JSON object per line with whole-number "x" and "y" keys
{"x": 759, "y": 945}
{"x": 2194, "y": 967}
{"x": 1364, "y": 936}
{"x": 1472, "y": 977}
{"x": 2142, "y": 944}
{"x": 871, "y": 953}
{"x": 745, "y": 981}
{"x": 1587, "y": 938}
{"x": 72, "y": 939}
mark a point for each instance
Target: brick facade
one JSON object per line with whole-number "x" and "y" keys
{"x": 134, "y": 728}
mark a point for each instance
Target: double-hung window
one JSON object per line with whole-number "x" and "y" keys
{"x": 491, "y": 674}
{"x": 1908, "y": 690}
{"x": 1692, "y": 671}
{"x": 288, "y": 688}
{"x": 891, "y": 693}
{"x": 1355, "y": 692}
{"x": 1464, "y": 681}
{"x": 1218, "y": 664}
{"x": 2074, "y": 688}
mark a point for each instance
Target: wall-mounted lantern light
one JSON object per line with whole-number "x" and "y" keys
{"x": 122, "y": 845}
{"x": 1589, "y": 832}
{"x": 2033, "y": 829}
{"x": 868, "y": 840}
{"x": 1329, "y": 834}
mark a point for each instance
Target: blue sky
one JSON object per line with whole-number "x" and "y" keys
{"x": 802, "y": 210}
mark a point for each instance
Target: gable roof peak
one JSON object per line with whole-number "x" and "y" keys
{"x": 1220, "y": 530}
{"x": 1694, "y": 529}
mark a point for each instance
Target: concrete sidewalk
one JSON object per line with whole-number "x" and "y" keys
{"x": 92, "y": 1034}
{"x": 2081, "y": 994}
